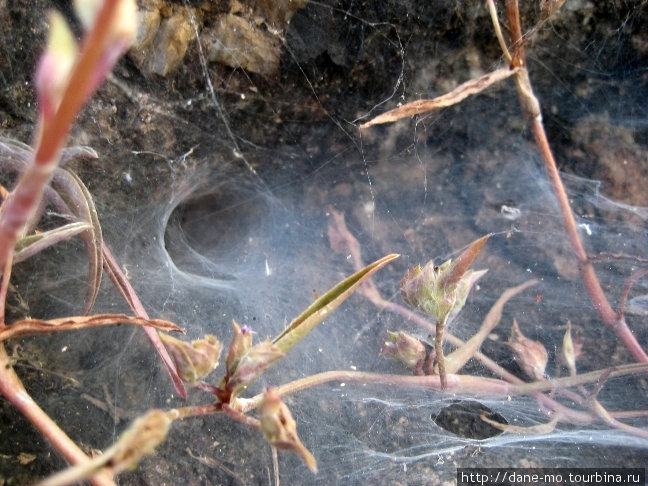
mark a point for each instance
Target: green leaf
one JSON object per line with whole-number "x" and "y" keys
{"x": 326, "y": 304}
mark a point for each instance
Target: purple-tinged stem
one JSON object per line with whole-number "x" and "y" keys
{"x": 125, "y": 288}
{"x": 531, "y": 108}
{"x": 23, "y": 202}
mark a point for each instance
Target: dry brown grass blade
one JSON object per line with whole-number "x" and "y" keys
{"x": 458, "y": 358}
{"x": 123, "y": 285}
{"x": 80, "y": 202}
{"x": 27, "y": 327}
{"x": 539, "y": 429}
{"x": 460, "y": 93}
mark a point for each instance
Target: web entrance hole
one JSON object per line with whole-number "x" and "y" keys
{"x": 213, "y": 234}
{"x": 463, "y": 418}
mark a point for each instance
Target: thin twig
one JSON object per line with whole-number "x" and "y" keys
{"x": 606, "y": 417}
{"x": 498, "y": 31}
{"x": 438, "y": 350}
{"x": 456, "y": 383}
{"x": 627, "y": 286}
{"x": 126, "y": 289}
{"x": 608, "y": 255}
{"x": 275, "y": 464}
{"x": 4, "y": 286}
{"x": 531, "y": 109}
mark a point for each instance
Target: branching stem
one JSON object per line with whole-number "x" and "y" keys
{"x": 531, "y": 108}
{"x": 468, "y": 384}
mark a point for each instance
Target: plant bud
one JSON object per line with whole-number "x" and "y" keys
{"x": 531, "y": 355}
{"x": 441, "y": 291}
{"x": 420, "y": 288}
{"x": 196, "y": 360}
{"x": 140, "y": 439}
{"x": 55, "y": 66}
{"x": 571, "y": 349}
{"x": 239, "y": 345}
{"x": 406, "y": 349}
{"x": 252, "y": 364}
{"x": 280, "y": 429}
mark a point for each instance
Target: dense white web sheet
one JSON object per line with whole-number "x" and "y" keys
{"x": 277, "y": 256}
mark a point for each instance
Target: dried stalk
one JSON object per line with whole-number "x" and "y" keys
{"x": 29, "y": 327}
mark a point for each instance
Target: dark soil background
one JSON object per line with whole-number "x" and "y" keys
{"x": 260, "y": 123}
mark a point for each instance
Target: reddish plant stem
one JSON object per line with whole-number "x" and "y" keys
{"x": 199, "y": 410}
{"x": 4, "y": 287}
{"x": 468, "y": 384}
{"x": 82, "y": 82}
{"x": 23, "y": 201}
{"x": 609, "y": 419}
{"x": 126, "y": 289}
{"x": 20, "y": 206}
{"x": 438, "y": 349}
{"x": 531, "y": 108}
{"x": 13, "y": 390}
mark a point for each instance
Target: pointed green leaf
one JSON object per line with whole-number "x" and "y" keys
{"x": 326, "y": 304}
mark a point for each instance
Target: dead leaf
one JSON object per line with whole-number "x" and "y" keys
{"x": 460, "y": 93}
{"x": 27, "y": 327}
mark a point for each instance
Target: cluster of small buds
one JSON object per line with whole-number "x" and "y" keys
{"x": 244, "y": 362}
{"x": 441, "y": 290}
